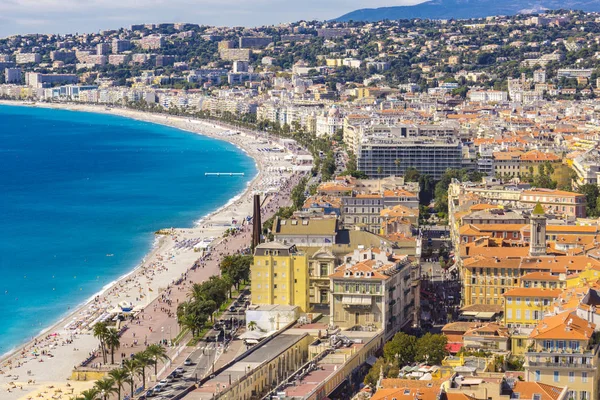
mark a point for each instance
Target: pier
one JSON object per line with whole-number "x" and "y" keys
{"x": 224, "y": 173}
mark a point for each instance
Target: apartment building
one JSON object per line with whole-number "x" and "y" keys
{"x": 373, "y": 288}
{"x": 558, "y": 202}
{"x": 563, "y": 352}
{"x": 279, "y": 275}
{"x": 26, "y": 58}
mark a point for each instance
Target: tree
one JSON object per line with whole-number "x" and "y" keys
{"x": 144, "y": 360}
{"x": 591, "y": 193}
{"x": 401, "y": 349}
{"x": 412, "y": 175}
{"x": 119, "y": 377}
{"x": 89, "y": 394}
{"x": 105, "y": 387}
{"x": 157, "y": 353}
{"x": 237, "y": 267}
{"x": 252, "y": 326}
{"x": 100, "y": 331}
{"x": 431, "y": 349}
{"x": 133, "y": 368}
{"x": 112, "y": 342}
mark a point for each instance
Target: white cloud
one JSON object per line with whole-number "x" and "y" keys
{"x": 61, "y": 16}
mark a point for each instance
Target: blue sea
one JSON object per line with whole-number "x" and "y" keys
{"x": 75, "y": 187}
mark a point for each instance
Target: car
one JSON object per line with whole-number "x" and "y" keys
{"x": 188, "y": 361}
{"x": 164, "y": 383}
{"x": 232, "y": 308}
{"x": 170, "y": 378}
{"x": 157, "y": 389}
{"x": 179, "y": 371}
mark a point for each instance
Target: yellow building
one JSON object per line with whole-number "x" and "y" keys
{"x": 589, "y": 275}
{"x": 562, "y": 353}
{"x": 279, "y": 275}
{"x": 334, "y": 62}
{"x": 523, "y": 309}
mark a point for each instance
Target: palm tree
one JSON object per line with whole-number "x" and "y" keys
{"x": 105, "y": 387}
{"x": 113, "y": 342}
{"x": 157, "y": 353}
{"x": 119, "y": 377}
{"x": 90, "y": 394}
{"x": 133, "y": 368}
{"x": 100, "y": 332}
{"x": 252, "y": 325}
{"x": 144, "y": 360}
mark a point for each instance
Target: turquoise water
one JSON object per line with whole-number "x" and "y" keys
{"x": 77, "y": 186}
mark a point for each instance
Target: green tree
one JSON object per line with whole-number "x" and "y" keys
{"x": 412, "y": 175}
{"x": 105, "y": 387}
{"x": 112, "y": 341}
{"x": 119, "y": 377}
{"x": 100, "y": 331}
{"x": 237, "y": 267}
{"x": 133, "y": 368}
{"x": 144, "y": 361}
{"x": 431, "y": 348}
{"x": 401, "y": 349}
{"x": 158, "y": 353}
{"x": 89, "y": 394}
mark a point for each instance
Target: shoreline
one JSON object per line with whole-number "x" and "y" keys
{"x": 242, "y": 141}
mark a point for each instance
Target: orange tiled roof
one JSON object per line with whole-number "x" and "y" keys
{"x": 533, "y": 292}
{"x": 566, "y": 325}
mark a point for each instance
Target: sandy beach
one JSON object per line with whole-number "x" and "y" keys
{"x": 40, "y": 369}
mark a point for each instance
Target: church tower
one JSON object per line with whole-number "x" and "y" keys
{"x": 537, "y": 239}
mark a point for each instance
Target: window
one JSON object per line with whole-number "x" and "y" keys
{"x": 518, "y": 301}
{"x": 571, "y": 376}
{"x": 556, "y": 376}
{"x": 509, "y": 300}
{"x": 518, "y": 314}
{"x": 509, "y": 314}
{"x": 584, "y": 377}
{"x": 274, "y": 263}
{"x": 536, "y": 396}
{"x": 527, "y": 315}
{"x": 538, "y": 376}
{"x": 258, "y": 286}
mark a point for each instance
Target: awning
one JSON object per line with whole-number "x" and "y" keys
{"x": 454, "y": 347}
{"x": 485, "y": 315}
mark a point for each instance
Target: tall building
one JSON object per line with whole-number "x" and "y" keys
{"x": 120, "y": 45}
{"x": 255, "y": 42}
{"x": 279, "y": 275}
{"x": 12, "y": 75}
{"x": 382, "y": 156}
{"x": 240, "y": 66}
{"x": 103, "y": 49}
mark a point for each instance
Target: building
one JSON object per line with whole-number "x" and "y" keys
{"x": 254, "y": 42}
{"x": 384, "y": 155}
{"x": 240, "y": 66}
{"x": 27, "y": 58}
{"x": 574, "y": 73}
{"x": 279, "y": 275}
{"x": 488, "y": 96}
{"x": 13, "y": 75}
{"x": 305, "y": 232}
{"x": 539, "y": 76}
{"x": 103, "y": 49}
{"x": 558, "y": 202}
{"x": 65, "y": 56}
{"x": 229, "y": 54}
{"x": 120, "y": 45}
{"x": 152, "y": 42}
{"x": 562, "y": 352}
{"x": 373, "y": 288}
{"x": 38, "y": 80}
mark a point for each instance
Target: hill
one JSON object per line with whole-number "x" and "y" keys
{"x": 464, "y": 9}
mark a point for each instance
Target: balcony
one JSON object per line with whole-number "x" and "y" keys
{"x": 550, "y": 364}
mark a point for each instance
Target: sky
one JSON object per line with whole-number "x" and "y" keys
{"x": 79, "y": 16}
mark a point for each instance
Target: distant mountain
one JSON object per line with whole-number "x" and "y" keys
{"x": 463, "y": 9}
